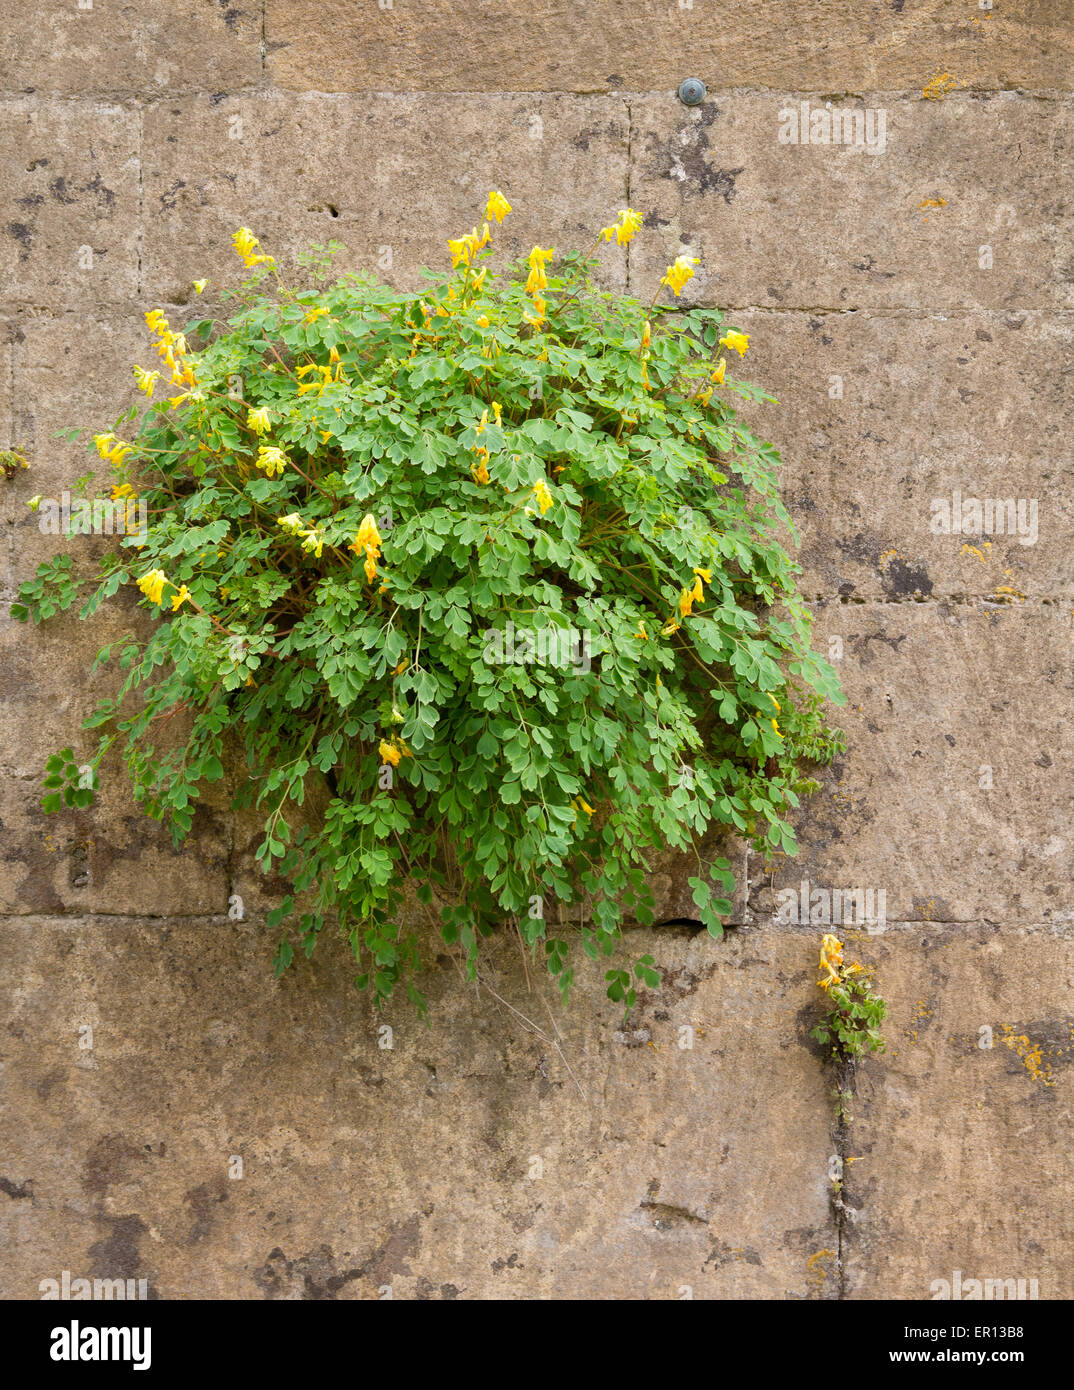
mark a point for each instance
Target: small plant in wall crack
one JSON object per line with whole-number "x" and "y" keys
{"x": 851, "y": 1027}
{"x": 493, "y": 568}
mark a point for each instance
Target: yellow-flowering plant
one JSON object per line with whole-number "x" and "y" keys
{"x": 851, "y": 1026}
{"x": 497, "y": 565}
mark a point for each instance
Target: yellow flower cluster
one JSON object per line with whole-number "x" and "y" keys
{"x": 368, "y": 542}
{"x": 677, "y": 274}
{"x": 152, "y": 585}
{"x": 172, "y": 348}
{"x": 259, "y": 419}
{"x": 312, "y": 537}
{"x": 393, "y": 751}
{"x": 497, "y": 207}
{"x": 271, "y": 460}
{"x": 110, "y": 448}
{"x": 465, "y": 248}
{"x": 831, "y": 960}
{"x": 538, "y": 281}
{"x": 480, "y": 468}
{"x": 623, "y": 228}
{"x": 246, "y": 245}
{"x": 543, "y": 494}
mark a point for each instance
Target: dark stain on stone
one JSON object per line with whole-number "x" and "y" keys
{"x": 17, "y": 1191}
{"x": 900, "y": 579}
{"x": 203, "y": 1201}
{"x": 498, "y": 1266}
{"x": 867, "y": 264}
{"x": 321, "y": 1275}
{"x": 59, "y": 190}
{"x": 723, "y": 1254}
{"x": 48, "y": 1081}
{"x": 118, "y": 1256}
{"x": 24, "y": 235}
{"x": 108, "y": 1163}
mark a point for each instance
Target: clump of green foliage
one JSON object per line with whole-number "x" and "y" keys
{"x": 358, "y": 499}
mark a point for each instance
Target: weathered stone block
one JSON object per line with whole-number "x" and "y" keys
{"x": 924, "y": 224}
{"x": 390, "y": 176}
{"x": 434, "y": 45}
{"x": 710, "y": 1159}
{"x": 72, "y": 180}
{"x": 954, "y": 797}
{"x": 154, "y": 46}
{"x": 962, "y": 1128}
{"x": 882, "y": 419}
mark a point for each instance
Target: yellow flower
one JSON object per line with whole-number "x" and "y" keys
{"x": 199, "y": 286}
{"x": 686, "y": 601}
{"x": 739, "y": 341}
{"x": 246, "y": 245}
{"x": 703, "y": 397}
{"x": 483, "y": 321}
{"x": 182, "y": 596}
{"x": 717, "y": 375}
{"x": 497, "y": 206}
{"x": 480, "y": 472}
{"x": 157, "y": 322}
{"x": 271, "y": 460}
{"x": 152, "y": 585}
{"x": 704, "y": 574}
{"x": 312, "y": 315}
{"x": 543, "y": 495}
{"x": 479, "y": 429}
{"x": 641, "y": 631}
{"x": 313, "y": 541}
{"x": 259, "y": 419}
{"x": 477, "y": 280}
{"x": 677, "y": 274}
{"x": 497, "y": 410}
{"x": 146, "y": 380}
{"x": 390, "y": 753}
{"x": 779, "y": 707}
{"x": 292, "y": 523}
{"x": 623, "y": 228}
{"x": 111, "y": 448}
{"x": 831, "y": 958}
{"x": 122, "y": 490}
{"x": 368, "y": 540}
{"x": 537, "y": 317}
{"x": 537, "y": 259}
{"x": 775, "y": 726}
{"x": 647, "y": 334}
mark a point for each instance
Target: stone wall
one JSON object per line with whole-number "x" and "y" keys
{"x": 911, "y": 305}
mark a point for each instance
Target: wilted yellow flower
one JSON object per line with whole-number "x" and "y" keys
{"x": 146, "y": 380}
{"x": 677, "y": 274}
{"x": 739, "y": 341}
{"x": 182, "y": 596}
{"x": 259, "y": 419}
{"x": 538, "y": 315}
{"x": 152, "y": 585}
{"x": 271, "y": 460}
{"x": 497, "y": 206}
{"x": 543, "y": 495}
